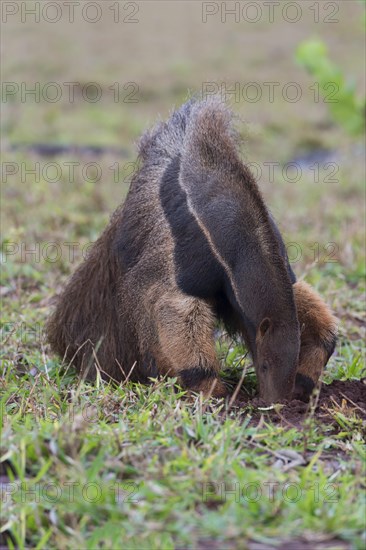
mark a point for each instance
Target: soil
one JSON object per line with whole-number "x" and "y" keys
{"x": 347, "y": 397}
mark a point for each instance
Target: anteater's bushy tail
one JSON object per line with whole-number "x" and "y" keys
{"x": 194, "y": 125}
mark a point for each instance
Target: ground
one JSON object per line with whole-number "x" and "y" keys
{"x": 94, "y": 466}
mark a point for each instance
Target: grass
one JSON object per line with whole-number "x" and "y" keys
{"x": 145, "y": 467}
{"x": 149, "y": 467}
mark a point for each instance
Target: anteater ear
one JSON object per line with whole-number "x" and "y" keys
{"x": 264, "y": 326}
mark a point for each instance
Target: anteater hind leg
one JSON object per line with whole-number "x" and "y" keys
{"x": 318, "y": 338}
{"x": 186, "y": 343}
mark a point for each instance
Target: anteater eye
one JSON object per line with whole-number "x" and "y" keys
{"x": 264, "y": 367}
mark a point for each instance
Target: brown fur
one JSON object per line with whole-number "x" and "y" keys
{"x": 318, "y": 335}
{"x": 127, "y": 311}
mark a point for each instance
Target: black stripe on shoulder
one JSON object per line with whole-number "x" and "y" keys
{"x": 198, "y": 273}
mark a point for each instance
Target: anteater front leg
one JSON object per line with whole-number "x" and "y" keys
{"x": 318, "y": 338}
{"x": 185, "y": 327}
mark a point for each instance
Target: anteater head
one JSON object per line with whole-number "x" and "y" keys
{"x": 276, "y": 359}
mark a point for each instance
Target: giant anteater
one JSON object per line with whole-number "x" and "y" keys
{"x": 192, "y": 243}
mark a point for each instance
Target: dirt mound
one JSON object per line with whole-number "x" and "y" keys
{"x": 354, "y": 391}
{"x": 343, "y": 397}
{"x": 348, "y": 397}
